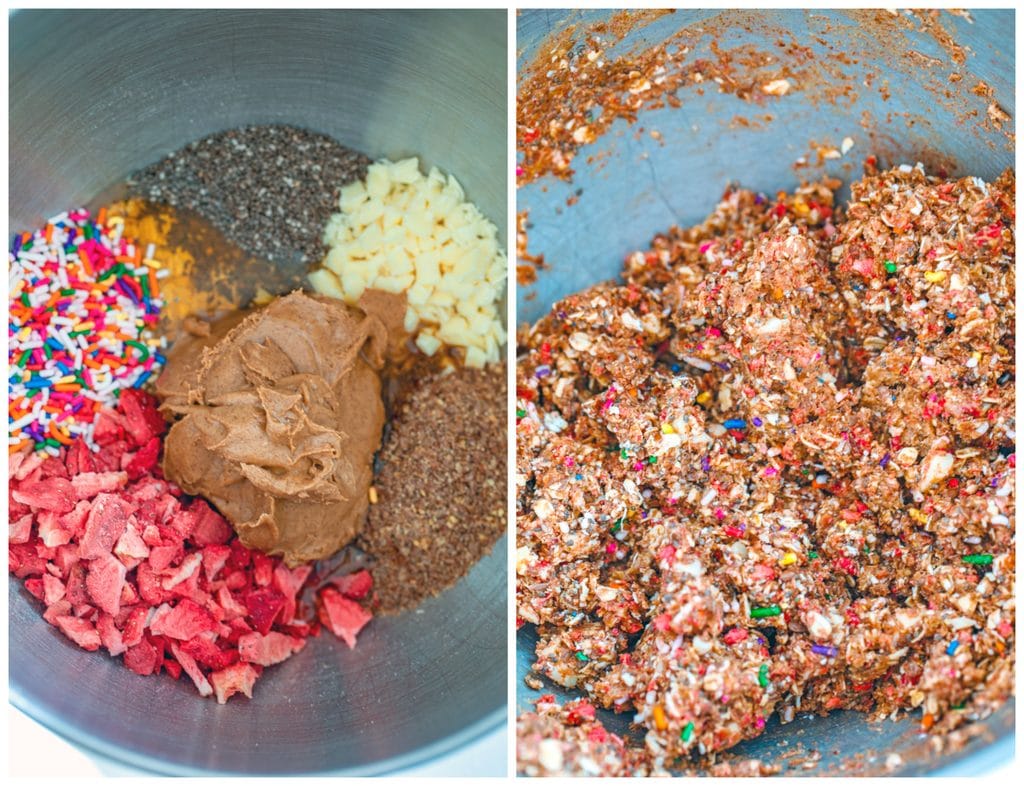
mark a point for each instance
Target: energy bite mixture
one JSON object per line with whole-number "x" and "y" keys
{"x": 773, "y": 470}
{"x": 278, "y": 414}
{"x": 441, "y": 494}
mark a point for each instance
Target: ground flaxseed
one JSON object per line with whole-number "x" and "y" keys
{"x": 270, "y": 189}
{"x": 441, "y": 490}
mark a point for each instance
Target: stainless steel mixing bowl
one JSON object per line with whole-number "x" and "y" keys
{"x": 95, "y": 95}
{"x": 630, "y": 186}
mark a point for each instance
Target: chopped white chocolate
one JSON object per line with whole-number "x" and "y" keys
{"x": 403, "y": 231}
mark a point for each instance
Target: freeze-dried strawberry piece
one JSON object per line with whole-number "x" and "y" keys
{"x": 231, "y": 607}
{"x": 89, "y": 484}
{"x": 354, "y": 585}
{"x": 74, "y": 521}
{"x": 210, "y": 527}
{"x": 189, "y": 588}
{"x": 237, "y": 627}
{"x": 80, "y": 631}
{"x": 66, "y": 558}
{"x": 19, "y": 531}
{"x": 141, "y": 658}
{"x": 104, "y": 581}
{"x": 79, "y": 459}
{"x": 144, "y": 461}
{"x": 267, "y": 650}
{"x": 53, "y": 589}
{"x": 106, "y": 523}
{"x": 36, "y": 588}
{"x": 150, "y": 585}
{"x": 172, "y": 667}
{"x": 264, "y": 605}
{"x": 53, "y": 467}
{"x": 135, "y": 625}
{"x": 207, "y": 653}
{"x": 29, "y": 463}
{"x": 59, "y": 609}
{"x": 50, "y": 531}
{"x": 15, "y": 510}
{"x": 215, "y": 556}
{"x": 238, "y": 678}
{"x": 192, "y": 669}
{"x": 184, "y": 571}
{"x": 23, "y": 561}
{"x": 182, "y": 522}
{"x": 142, "y": 421}
{"x": 76, "y": 591}
{"x": 237, "y": 580}
{"x": 129, "y": 597}
{"x": 152, "y": 489}
{"x": 241, "y": 557}
{"x": 288, "y": 582}
{"x": 108, "y": 427}
{"x": 162, "y": 557}
{"x": 56, "y": 494}
{"x": 109, "y": 459}
{"x": 262, "y": 569}
{"x": 14, "y": 462}
{"x": 343, "y": 617}
{"x": 183, "y": 621}
{"x": 130, "y": 548}
{"x": 110, "y": 636}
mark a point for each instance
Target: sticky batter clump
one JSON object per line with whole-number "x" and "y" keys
{"x": 772, "y": 471}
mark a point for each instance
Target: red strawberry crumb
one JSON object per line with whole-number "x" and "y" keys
{"x": 104, "y": 579}
{"x": 270, "y": 649}
{"x": 355, "y": 586}
{"x": 80, "y": 631}
{"x": 264, "y": 606}
{"x": 238, "y": 678}
{"x": 343, "y": 617}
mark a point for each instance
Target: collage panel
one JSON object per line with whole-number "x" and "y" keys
{"x": 258, "y": 392}
{"x": 765, "y": 392}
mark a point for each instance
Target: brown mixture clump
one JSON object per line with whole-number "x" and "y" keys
{"x": 441, "y": 493}
{"x": 773, "y": 471}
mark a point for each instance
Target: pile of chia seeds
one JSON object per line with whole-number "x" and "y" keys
{"x": 269, "y": 189}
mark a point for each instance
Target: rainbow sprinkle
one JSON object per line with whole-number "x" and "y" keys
{"x": 82, "y": 300}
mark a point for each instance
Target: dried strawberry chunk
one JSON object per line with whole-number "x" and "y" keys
{"x": 80, "y": 631}
{"x": 354, "y": 585}
{"x": 269, "y": 649}
{"x": 343, "y": 617}
{"x": 264, "y": 606}
{"x": 56, "y": 494}
{"x": 142, "y": 420}
{"x": 106, "y": 523}
{"x": 183, "y": 621}
{"x": 104, "y": 582}
{"x": 238, "y": 678}
{"x": 144, "y": 461}
{"x": 88, "y": 484}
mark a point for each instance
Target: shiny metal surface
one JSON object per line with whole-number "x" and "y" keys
{"x": 632, "y": 186}
{"x": 94, "y": 95}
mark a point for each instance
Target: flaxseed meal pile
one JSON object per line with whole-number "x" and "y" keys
{"x": 441, "y": 493}
{"x": 772, "y": 472}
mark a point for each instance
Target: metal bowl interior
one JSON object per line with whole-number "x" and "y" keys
{"x": 94, "y": 96}
{"x": 627, "y": 186}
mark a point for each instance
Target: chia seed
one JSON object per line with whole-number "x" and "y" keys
{"x": 270, "y": 189}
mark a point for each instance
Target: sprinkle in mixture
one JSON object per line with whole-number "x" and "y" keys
{"x": 772, "y": 472}
{"x": 82, "y": 301}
